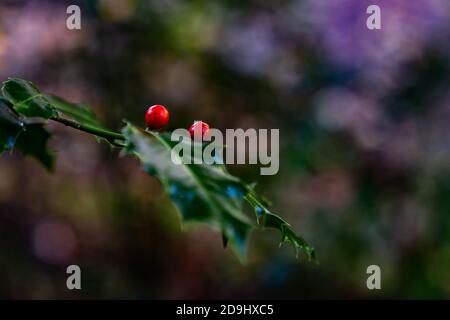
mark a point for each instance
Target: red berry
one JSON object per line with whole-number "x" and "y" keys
{"x": 201, "y": 127}
{"x": 157, "y": 117}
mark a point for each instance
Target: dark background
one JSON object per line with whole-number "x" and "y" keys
{"x": 364, "y": 122}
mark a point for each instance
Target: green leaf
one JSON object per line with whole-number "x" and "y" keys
{"x": 28, "y": 137}
{"x": 27, "y": 99}
{"x": 30, "y": 102}
{"x": 207, "y": 193}
{"x": 10, "y": 125}
{"x": 268, "y": 219}
{"x": 33, "y": 142}
{"x": 79, "y": 112}
{"x": 201, "y": 193}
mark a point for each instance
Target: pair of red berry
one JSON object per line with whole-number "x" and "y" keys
{"x": 157, "y": 116}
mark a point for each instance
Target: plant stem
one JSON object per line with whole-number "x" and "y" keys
{"x": 111, "y": 136}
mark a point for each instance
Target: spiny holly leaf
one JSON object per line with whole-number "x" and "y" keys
{"x": 28, "y": 137}
{"x": 10, "y": 125}
{"x": 202, "y": 193}
{"x": 207, "y": 193}
{"x": 268, "y": 219}
{"x": 27, "y": 99}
